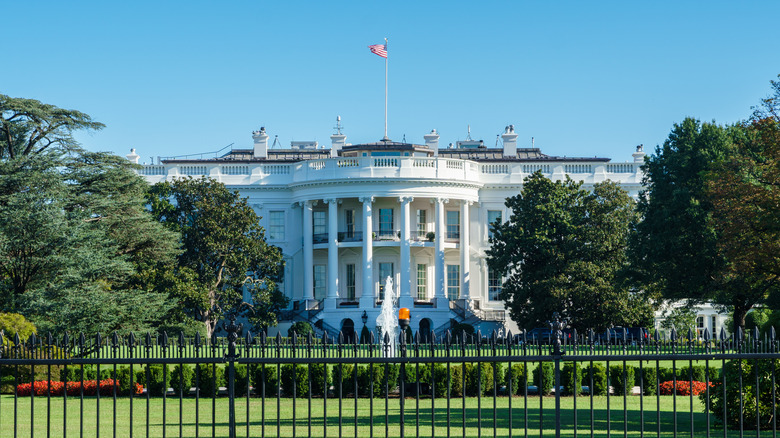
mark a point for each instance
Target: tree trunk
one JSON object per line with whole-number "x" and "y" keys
{"x": 739, "y": 318}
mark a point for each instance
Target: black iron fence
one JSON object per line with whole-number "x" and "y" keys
{"x": 576, "y": 385}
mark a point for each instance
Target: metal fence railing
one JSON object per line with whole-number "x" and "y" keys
{"x": 575, "y": 385}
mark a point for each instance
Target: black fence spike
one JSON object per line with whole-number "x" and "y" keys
{"x": 294, "y": 337}
{"x": 165, "y": 338}
{"x": 65, "y": 340}
{"x": 722, "y": 334}
{"x": 214, "y": 339}
{"x": 690, "y": 334}
{"x": 494, "y": 337}
{"x": 756, "y": 333}
{"x": 278, "y": 338}
{"x": 182, "y": 340}
{"x": 432, "y": 337}
{"x": 115, "y": 339}
{"x": 625, "y": 335}
{"x": 131, "y": 340}
{"x": 324, "y": 338}
{"x": 49, "y": 339}
{"x": 248, "y": 339}
{"x": 656, "y": 335}
{"x": 197, "y": 340}
{"x": 98, "y": 340}
{"x": 706, "y": 335}
{"x": 355, "y": 340}
{"x": 772, "y": 333}
{"x": 673, "y": 335}
{"x": 387, "y": 338}
{"x": 417, "y": 337}
{"x": 371, "y": 336}
{"x": 309, "y": 339}
{"x": 740, "y": 335}
{"x": 17, "y": 341}
{"x": 82, "y": 340}
{"x": 448, "y": 338}
{"x": 341, "y": 337}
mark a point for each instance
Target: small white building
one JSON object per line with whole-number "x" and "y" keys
{"x": 348, "y": 216}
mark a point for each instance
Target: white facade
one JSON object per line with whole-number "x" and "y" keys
{"x": 708, "y": 317}
{"x": 348, "y": 216}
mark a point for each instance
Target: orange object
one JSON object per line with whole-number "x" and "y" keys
{"x": 403, "y": 313}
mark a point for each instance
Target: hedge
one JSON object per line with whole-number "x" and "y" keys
{"x": 621, "y": 386}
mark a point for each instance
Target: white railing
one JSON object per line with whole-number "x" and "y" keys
{"x": 423, "y": 168}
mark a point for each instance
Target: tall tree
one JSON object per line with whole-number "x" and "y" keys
{"x": 563, "y": 250}
{"x": 674, "y": 250}
{"x": 745, "y": 192}
{"x": 29, "y": 127}
{"x": 74, "y": 230}
{"x": 224, "y": 245}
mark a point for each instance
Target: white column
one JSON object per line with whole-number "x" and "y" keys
{"x": 439, "y": 274}
{"x": 367, "y": 295}
{"x": 308, "y": 252}
{"x": 406, "y": 262}
{"x": 333, "y": 254}
{"x": 465, "y": 259}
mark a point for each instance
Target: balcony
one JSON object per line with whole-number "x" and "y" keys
{"x": 350, "y": 236}
{"x": 320, "y": 238}
{"x": 387, "y": 235}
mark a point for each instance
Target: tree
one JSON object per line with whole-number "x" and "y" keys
{"x": 563, "y": 250}
{"x": 745, "y": 194}
{"x": 224, "y": 246}
{"x": 73, "y": 227}
{"x": 674, "y": 250}
{"x": 29, "y": 127}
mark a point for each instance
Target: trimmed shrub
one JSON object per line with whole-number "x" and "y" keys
{"x": 302, "y": 329}
{"x": 264, "y": 376}
{"x": 73, "y": 373}
{"x": 440, "y": 380}
{"x": 13, "y": 323}
{"x": 570, "y": 371}
{"x": 342, "y": 378}
{"x": 599, "y": 375}
{"x": 648, "y": 375}
{"x": 456, "y": 380}
{"x": 621, "y": 386}
{"x": 240, "y": 380}
{"x": 209, "y": 379}
{"x": 300, "y": 377}
{"x": 367, "y": 375}
{"x": 519, "y": 376}
{"x": 181, "y": 379}
{"x": 544, "y": 377}
{"x": 159, "y": 379}
{"x": 665, "y": 374}
{"x": 479, "y": 376}
{"x": 749, "y": 370}
{"x": 684, "y": 373}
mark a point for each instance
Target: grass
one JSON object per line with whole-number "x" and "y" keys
{"x": 165, "y": 415}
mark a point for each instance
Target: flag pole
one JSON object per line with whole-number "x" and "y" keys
{"x": 386, "y": 138}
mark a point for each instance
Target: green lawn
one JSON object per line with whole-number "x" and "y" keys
{"x": 414, "y": 418}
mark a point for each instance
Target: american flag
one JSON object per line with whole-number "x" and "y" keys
{"x": 379, "y": 49}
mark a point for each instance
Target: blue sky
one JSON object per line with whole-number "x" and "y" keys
{"x": 583, "y": 78}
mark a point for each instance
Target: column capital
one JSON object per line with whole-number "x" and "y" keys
{"x": 257, "y": 205}
{"x": 466, "y": 202}
{"x": 365, "y": 199}
{"x": 405, "y": 198}
{"x": 332, "y": 201}
{"x": 441, "y": 200}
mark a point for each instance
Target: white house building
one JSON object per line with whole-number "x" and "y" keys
{"x": 348, "y": 216}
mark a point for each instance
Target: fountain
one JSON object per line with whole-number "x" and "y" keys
{"x": 387, "y": 320}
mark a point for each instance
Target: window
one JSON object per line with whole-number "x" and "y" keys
{"x": 493, "y": 216}
{"x": 422, "y": 223}
{"x": 494, "y": 285}
{"x": 453, "y": 282}
{"x": 714, "y": 327}
{"x": 700, "y": 325}
{"x": 453, "y": 224}
{"x": 386, "y": 223}
{"x": 320, "y": 222}
{"x": 349, "y": 218}
{"x": 350, "y": 281}
{"x": 422, "y": 281}
{"x": 276, "y": 225}
{"x": 385, "y": 270}
{"x": 319, "y": 282}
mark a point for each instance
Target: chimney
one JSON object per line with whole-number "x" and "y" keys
{"x": 132, "y": 156}
{"x": 432, "y": 141}
{"x": 639, "y": 155}
{"x": 510, "y": 141}
{"x": 261, "y": 143}
{"x": 337, "y": 140}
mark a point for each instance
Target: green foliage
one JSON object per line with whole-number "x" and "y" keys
{"x": 12, "y": 324}
{"x": 296, "y": 380}
{"x": 544, "y": 377}
{"x": 648, "y": 384}
{"x": 479, "y": 376}
{"x": 458, "y": 329}
{"x": 367, "y": 376}
{"x": 679, "y": 318}
{"x": 241, "y": 381}
{"x": 181, "y": 379}
{"x": 519, "y": 378}
{"x": 456, "y": 381}
{"x": 156, "y": 378}
{"x": 302, "y": 329}
{"x": 209, "y": 379}
{"x": 747, "y": 370}
{"x": 697, "y": 372}
{"x": 570, "y": 371}
{"x": 564, "y": 250}
{"x": 621, "y": 385}
{"x": 214, "y": 224}
{"x": 342, "y": 377}
{"x": 265, "y": 377}
{"x": 598, "y": 373}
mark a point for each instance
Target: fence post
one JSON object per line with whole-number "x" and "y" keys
{"x": 233, "y": 332}
{"x": 557, "y": 353}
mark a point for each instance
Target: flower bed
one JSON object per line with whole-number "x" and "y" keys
{"x": 42, "y": 388}
{"x": 683, "y": 387}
